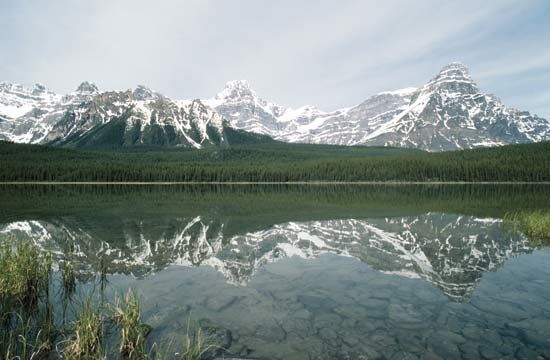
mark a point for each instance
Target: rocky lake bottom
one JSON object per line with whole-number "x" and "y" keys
{"x": 336, "y": 307}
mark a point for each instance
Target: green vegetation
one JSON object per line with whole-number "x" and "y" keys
{"x": 68, "y": 278}
{"x": 86, "y": 340}
{"x": 25, "y": 274}
{"x": 277, "y": 162}
{"x": 535, "y": 225}
{"x": 28, "y": 329}
{"x": 196, "y": 344}
{"x": 127, "y": 317}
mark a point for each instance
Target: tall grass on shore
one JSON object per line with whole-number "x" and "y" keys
{"x": 535, "y": 225}
{"x": 126, "y": 315}
{"x": 24, "y": 276}
{"x": 197, "y": 345}
{"x": 27, "y": 323}
{"x": 28, "y": 329}
{"x": 68, "y": 278}
{"x": 86, "y": 339}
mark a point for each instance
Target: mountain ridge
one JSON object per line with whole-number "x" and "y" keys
{"x": 89, "y": 117}
{"x": 447, "y": 113}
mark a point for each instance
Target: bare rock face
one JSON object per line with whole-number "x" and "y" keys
{"x": 447, "y": 113}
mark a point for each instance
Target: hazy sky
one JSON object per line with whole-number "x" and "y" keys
{"x": 325, "y": 53}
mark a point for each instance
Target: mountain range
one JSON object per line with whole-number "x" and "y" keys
{"x": 88, "y": 117}
{"x": 450, "y": 251}
{"x": 447, "y": 113}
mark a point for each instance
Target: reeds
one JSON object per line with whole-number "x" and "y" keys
{"x": 126, "y": 314}
{"x": 535, "y": 225}
{"x": 24, "y": 276}
{"x": 68, "y": 278}
{"x": 29, "y": 337}
{"x": 86, "y": 340}
{"x": 28, "y": 329}
{"x": 197, "y": 345}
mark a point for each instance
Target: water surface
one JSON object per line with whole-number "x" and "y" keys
{"x": 298, "y": 271}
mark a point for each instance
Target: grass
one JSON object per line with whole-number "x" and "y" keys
{"x": 127, "y": 317}
{"x": 28, "y": 329}
{"x": 197, "y": 345}
{"x": 86, "y": 340}
{"x": 68, "y": 278}
{"x": 29, "y": 337}
{"x": 535, "y": 225}
{"x": 24, "y": 276}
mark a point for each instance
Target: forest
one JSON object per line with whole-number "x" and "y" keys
{"x": 275, "y": 162}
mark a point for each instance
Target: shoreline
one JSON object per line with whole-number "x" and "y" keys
{"x": 274, "y": 183}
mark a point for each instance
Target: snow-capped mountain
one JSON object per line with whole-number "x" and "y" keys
{"x": 449, "y": 251}
{"x": 89, "y": 117}
{"x": 447, "y": 113}
{"x": 26, "y": 114}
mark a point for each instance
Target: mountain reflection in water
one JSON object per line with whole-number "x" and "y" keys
{"x": 450, "y": 251}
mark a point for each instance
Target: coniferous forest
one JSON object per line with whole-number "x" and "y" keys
{"x": 275, "y": 162}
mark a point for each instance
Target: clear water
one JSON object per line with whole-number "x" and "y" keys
{"x": 307, "y": 272}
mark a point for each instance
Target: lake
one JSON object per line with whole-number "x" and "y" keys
{"x": 307, "y": 271}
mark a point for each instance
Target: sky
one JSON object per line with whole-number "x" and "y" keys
{"x": 330, "y": 54}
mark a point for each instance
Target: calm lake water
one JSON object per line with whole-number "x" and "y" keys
{"x": 307, "y": 272}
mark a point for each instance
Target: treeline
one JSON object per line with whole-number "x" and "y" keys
{"x": 277, "y": 163}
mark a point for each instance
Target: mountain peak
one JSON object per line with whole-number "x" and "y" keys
{"x": 454, "y": 71}
{"x": 454, "y": 77}
{"x": 455, "y": 66}
{"x": 236, "y": 89}
{"x": 39, "y": 89}
{"x": 9, "y": 86}
{"x": 241, "y": 84}
{"x": 87, "y": 87}
{"x": 142, "y": 92}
